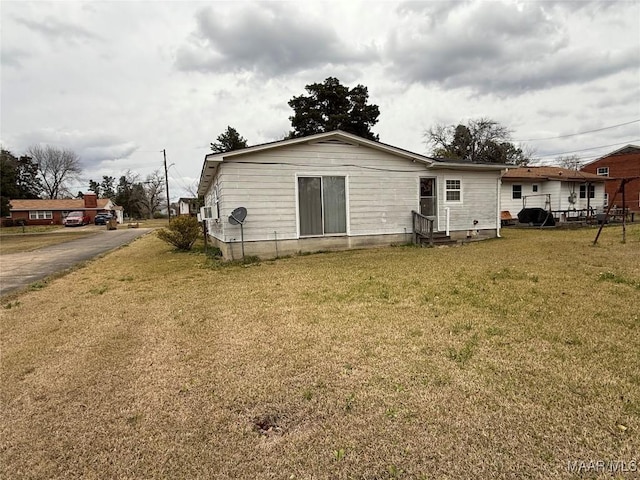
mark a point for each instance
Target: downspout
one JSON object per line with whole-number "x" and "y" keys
{"x": 447, "y": 211}
{"x": 498, "y": 205}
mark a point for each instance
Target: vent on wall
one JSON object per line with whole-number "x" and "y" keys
{"x": 334, "y": 141}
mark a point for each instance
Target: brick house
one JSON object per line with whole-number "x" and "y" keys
{"x": 622, "y": 163}
{"x": 52, "y": 212}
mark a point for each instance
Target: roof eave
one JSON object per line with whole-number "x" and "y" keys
{"x": 469, "y": 166}
{"x": 213, "y": 160}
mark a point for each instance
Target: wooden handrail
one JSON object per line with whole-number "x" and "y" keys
{"x": 422, "y": 227}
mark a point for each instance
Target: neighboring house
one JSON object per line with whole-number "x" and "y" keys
{"x": 52, "y": 212}
{"x": 560, "y": 190}
{"x": 188, "y": 206}
{"x": 623, "y": 163}
{"x": 336, "y": 190}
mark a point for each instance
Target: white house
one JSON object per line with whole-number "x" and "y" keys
{"x": 567, "y": 193}
{"x": 187, "y": 206}
{"x": 335, "y": 190}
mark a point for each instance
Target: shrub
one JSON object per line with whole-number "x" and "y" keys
{"x": 182, "y": 233}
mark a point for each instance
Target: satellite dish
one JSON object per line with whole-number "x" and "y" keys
{"x": 237, "y": 216}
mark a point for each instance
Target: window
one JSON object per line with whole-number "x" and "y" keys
{"x": 453, "y": 190}
{"x": 606, "y": 200}
{"x": 40, "y": 215}
{"x": 534, "y": 188}
{"x": 516, "y": 191}
{"x": 583, "y": 191}
{"x": 322, "y": 206}
{"x": 604, "y": 171}
{"x": 215, "y": 213}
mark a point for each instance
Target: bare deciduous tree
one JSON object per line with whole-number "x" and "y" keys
{"x": 572, "y": 162}
{"x": 153, "y": 197}
{"x": 56, "y": 167}
{"x": 481, "y": 140}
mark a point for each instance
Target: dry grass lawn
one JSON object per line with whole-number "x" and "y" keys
{"x": 500, "y": 359}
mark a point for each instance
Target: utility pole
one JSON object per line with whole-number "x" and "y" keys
{"x": 166, "y": 183}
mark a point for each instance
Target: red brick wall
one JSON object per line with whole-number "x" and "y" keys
{"x": 620, "y": 166}
{"x": 90, "y": 200}
{"x": 56, "y": 220}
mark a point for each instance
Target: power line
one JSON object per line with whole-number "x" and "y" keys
{"x": 587, "y": 149}
{"x": 579, "y": 133}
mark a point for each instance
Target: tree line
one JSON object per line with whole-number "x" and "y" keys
{"x": 48, "y": 172}
{"x": 332, "y": 106}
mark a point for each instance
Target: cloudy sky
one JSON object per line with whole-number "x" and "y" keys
{"x": 118, "y": 82}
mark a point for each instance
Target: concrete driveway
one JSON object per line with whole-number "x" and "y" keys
{"x": 19, "y": 270}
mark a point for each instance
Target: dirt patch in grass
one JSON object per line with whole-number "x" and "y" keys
{"x": 499, "y": 359}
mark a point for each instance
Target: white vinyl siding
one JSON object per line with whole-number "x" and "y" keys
{"x": 480, "y": 196}
{"x": 381, "y": 190}
{"x": 553, "y": 191}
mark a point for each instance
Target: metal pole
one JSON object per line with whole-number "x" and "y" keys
{"x": 624, "y": 214}
{"x": 166, "y": 183}
{"x": 242, "y": 239}
{"x": 606, "y": 215}
{"x": 589, "y": 202}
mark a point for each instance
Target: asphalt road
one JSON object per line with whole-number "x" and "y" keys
{"x": 19, "y": 270}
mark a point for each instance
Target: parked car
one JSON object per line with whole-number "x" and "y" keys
{"x": 102, "y": 218}
{"x": 76, "y": 219}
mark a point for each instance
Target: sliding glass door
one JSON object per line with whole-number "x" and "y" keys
{"x": 322, "y": 206}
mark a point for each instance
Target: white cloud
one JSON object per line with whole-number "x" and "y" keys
{"x": 266, "y": 39}
{"x": 120, "y": 81}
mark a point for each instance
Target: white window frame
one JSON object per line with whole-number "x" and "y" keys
{"x": 603, "y": 171}
{"x": 215, "y": 213}
{"x": 606, "y": 199}
{"x": 459, "y": 190}
{"x": 346, "y": 203}
{"x": 584, "y": 188}
{"x": 40, "y": 215}
{"x": 534, "y": 188}
{"x": 513, "y": 197}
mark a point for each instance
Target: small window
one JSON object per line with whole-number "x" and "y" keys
{"x": 606, "y": 200}
{"x": 534, "y": 188}
{"x": 603, "y": 171}
{"x": 583, "y": 191}
{"x": 453, "y": 191}
{"x": 206, "y": 213}
{"x": 516, "y": 191}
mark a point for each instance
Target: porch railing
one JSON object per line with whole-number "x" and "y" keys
{"x": 422, "y": 227}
